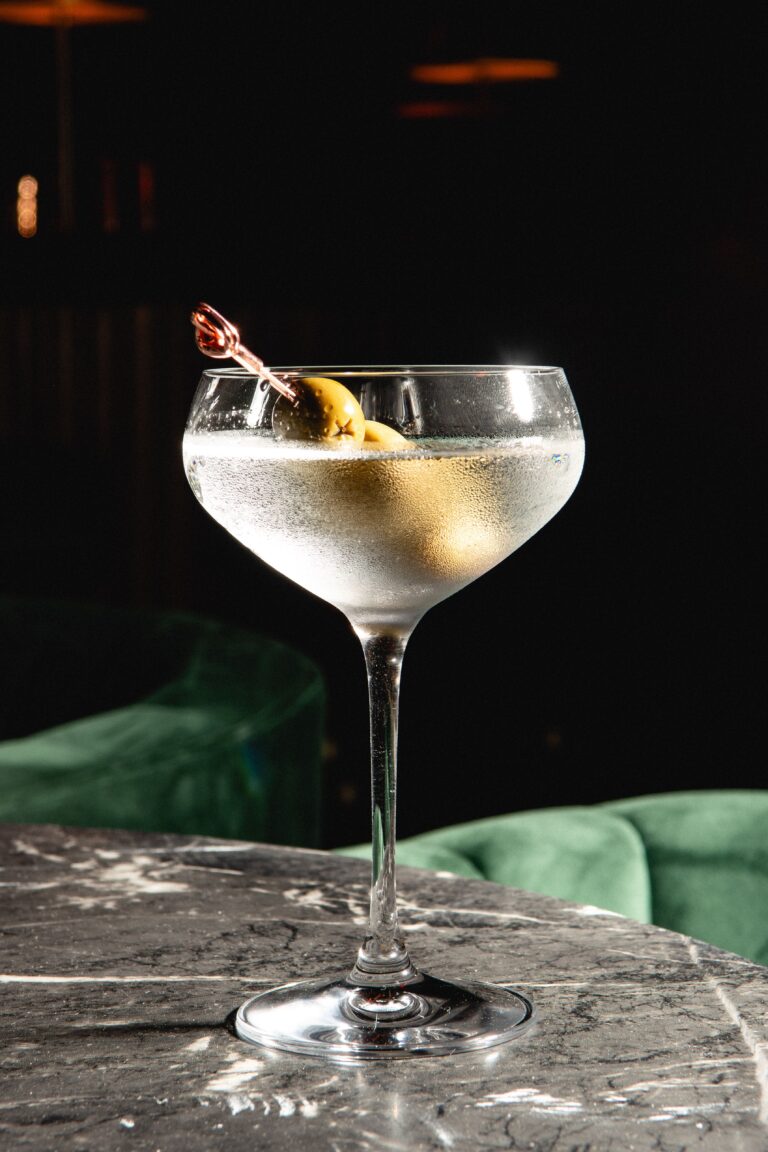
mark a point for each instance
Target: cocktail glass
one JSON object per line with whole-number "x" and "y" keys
{"x": 384, "y": 534}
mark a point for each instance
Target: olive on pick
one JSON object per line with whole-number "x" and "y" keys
{"x": 323, "y": 410}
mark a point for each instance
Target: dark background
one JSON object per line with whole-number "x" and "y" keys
{"x": 612, "y": 220}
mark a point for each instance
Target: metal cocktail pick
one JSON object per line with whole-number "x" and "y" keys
{"x": 216, "y": 337}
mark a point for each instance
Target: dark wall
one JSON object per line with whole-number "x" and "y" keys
{"x": 611, "y": 220}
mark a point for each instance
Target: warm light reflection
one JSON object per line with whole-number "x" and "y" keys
{"x": 42, "y": 15}
{"x": 26, "y": 206}
{"x": 486, "y": 70}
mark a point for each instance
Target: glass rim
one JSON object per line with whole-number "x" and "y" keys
{"x": 389, "y": 370}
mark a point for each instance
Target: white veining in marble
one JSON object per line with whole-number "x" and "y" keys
{"x": 672, "y": 1082}
{"x": 533, "y": 1099}
{"x": 476, "y": 913}
{"x": 216, "y": 871}
{"x": 682, "y": 1111}
{"x": 758, "y": 1048}
{"x": 31, "y": 850}
{"x": 593, "y": 910}
{"x": 702, "y": 1063}
{"x": 30, "y": 886}
{"x": 317, "y": 898}
{"x": 131, "y": 879}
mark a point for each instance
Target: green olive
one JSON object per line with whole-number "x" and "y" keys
{"x": 324, "y": 410}
{"x": 382, "y": 436}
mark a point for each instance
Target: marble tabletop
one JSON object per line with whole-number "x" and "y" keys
{"x": 125, "y": 955}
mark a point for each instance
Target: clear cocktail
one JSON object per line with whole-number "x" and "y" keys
{"x": 438, "y": 474}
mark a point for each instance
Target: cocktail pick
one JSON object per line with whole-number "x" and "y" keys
{"x": 217, "y": 337}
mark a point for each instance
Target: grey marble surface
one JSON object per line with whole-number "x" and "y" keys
{"x": 124, "y": 956}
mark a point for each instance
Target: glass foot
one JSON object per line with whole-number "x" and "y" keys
{"x": 340, "y": 1020}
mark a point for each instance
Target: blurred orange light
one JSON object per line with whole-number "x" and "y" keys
{"x": 436, "y": 110}
{"x": 66, "y": 12}
{"x": 26, "y": 207}
{"x": 486, "y": 70}
{"x": 27, "y": 188}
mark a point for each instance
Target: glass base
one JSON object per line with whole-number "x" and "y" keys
{"x": 340, "y": 1020}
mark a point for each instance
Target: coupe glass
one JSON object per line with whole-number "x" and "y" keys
{"x": 384, "y": 533}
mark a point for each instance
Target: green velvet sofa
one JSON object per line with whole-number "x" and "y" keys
{"x": 156, "y": 721}
{"x": 694, "y": 862}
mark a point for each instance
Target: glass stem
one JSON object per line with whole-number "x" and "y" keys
{"x": 383, "y": 959}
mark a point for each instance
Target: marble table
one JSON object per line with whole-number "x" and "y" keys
{"x": 125, "y": 955}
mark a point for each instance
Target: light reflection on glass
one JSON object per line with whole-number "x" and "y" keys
{"x": 520, "y": 394}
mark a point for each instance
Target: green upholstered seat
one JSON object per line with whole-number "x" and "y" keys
{"x": 707, "y": 858}
{"x": 156, "y": 721}
{"x": 694, "y": 862}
